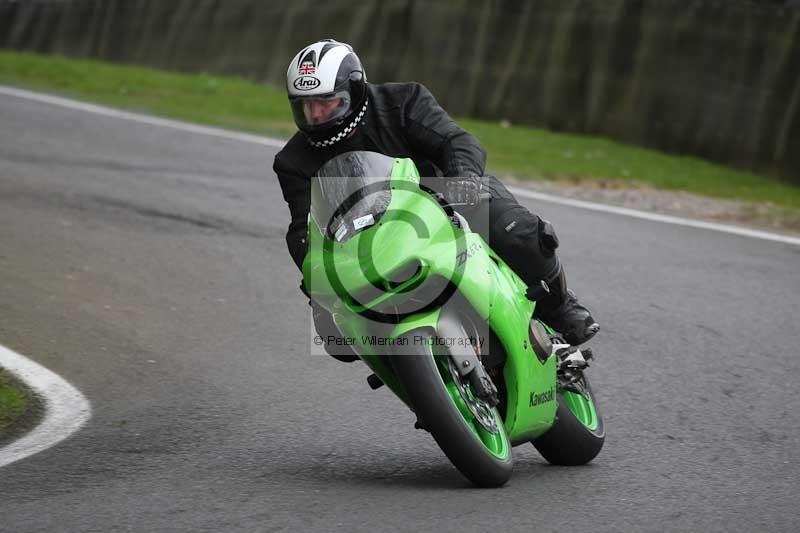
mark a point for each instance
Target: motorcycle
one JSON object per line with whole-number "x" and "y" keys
{"x": 443, "y": 322}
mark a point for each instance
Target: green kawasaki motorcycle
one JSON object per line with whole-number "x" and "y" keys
{"x": 443, "y": 322}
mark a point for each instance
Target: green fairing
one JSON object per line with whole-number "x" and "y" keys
{"x": 415, "y": 227}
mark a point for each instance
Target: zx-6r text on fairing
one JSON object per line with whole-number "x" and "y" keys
{"x": 443, "y": 322}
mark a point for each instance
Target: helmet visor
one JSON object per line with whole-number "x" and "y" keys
{"x": 313, "y": 113}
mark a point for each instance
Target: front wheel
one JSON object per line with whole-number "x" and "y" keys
{"x": 578, "y": 433}
{"x": 468, "y": 431}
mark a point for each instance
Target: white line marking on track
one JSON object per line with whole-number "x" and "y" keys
{"x": 66, "y": 409}
{"x": 143, "y": 119}
{"x": 277, "y": 143}
{"x": 655, "y": 217}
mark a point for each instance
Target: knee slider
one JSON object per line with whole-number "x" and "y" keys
{"x": 517, "y": 225}
{"x": 517, "y": 237}
{"x": 548, "y": 240}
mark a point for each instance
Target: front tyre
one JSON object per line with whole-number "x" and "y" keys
{"x": 470, "y": 433}
{"x": 578, "y": 433}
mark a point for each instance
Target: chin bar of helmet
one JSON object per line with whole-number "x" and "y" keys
{"x": 344, "y": 133}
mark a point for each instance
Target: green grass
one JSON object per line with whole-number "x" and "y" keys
{"x": 526, "y": 153}
{"x": 537, "y": 152}
{"x": 228, "y": 102}
{"x": 12, "y": 402}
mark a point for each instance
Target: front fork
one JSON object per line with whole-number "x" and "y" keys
{"x": 466, "y": 360}
{"x": 448, "y": 325}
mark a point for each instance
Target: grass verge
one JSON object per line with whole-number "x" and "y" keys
{"x": 522, "y": 152}
{"x": 20, "y": 408}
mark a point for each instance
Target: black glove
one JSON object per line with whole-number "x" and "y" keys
{"x": 327, "y": 329}
{"x": 304, "y": 290}
{"x": 463, "y": 190}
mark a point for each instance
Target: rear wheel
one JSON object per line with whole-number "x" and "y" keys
{"x": 468, "y": 431}
{"x": 578, "y": 433}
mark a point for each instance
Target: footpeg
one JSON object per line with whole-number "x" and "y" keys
{"x": 572, "y": 358}
{"x": 587, "y": 353}
{"x": 571, "y": 363}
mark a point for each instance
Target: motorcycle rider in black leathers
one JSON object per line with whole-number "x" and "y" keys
{"x": 337, "y": 111}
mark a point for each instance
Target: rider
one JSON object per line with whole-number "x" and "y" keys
{"x": 337, "y": 111}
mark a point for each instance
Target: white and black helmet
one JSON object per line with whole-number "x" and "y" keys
{"x": 327, "y": 77}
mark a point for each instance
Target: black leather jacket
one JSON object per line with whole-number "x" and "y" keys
{"x": 402, "y": 120}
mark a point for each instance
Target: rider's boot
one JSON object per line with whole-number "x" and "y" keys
{"x": 559, "y": 308}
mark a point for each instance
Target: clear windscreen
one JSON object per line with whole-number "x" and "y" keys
{"x": 351, "y": 192}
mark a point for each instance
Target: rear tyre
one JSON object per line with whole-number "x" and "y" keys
{"x": 470, "y": 433}
{"x": 578, "y": 433}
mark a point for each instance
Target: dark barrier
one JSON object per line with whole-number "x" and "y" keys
{"x": 716, "y": 78}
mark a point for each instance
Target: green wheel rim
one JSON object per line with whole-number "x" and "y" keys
{"x": 582, "y": 406}
{"x": 496, "y": 442}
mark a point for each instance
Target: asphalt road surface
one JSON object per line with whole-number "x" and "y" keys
{"x": 148, "y": 267}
